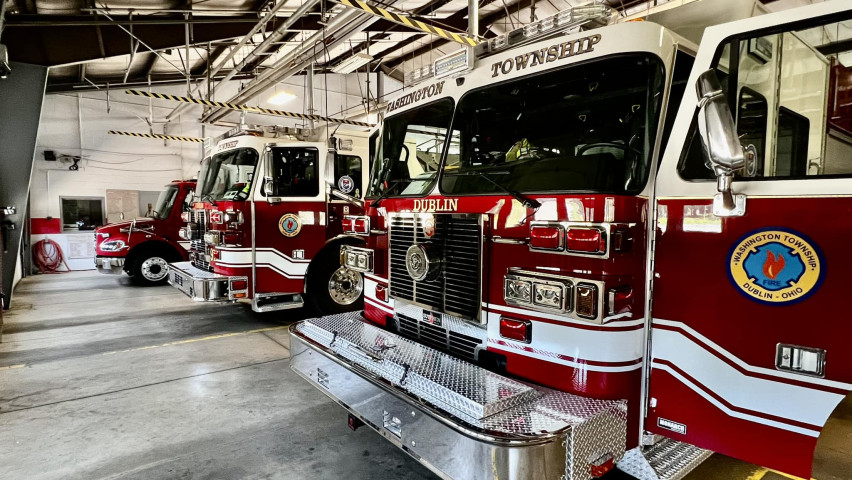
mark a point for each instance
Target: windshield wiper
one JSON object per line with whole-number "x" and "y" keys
{"x": 375, "y": 203}
{"x": 525, "y": 200}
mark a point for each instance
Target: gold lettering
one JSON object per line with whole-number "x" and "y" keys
{"x": 538, "y": 57}
{"x": 552, "y": 53}
{"x": 495, "y": 67}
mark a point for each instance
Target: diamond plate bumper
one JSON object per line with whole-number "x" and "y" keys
{"x": 203, "y": 286}
{"x": 457, "y": 419}
{"x": 110, "y": 265}
{"x": 665, "y": 460}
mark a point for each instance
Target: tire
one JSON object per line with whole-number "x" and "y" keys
{"x": 332, "y": 288}
{"x": 150, "y": 268}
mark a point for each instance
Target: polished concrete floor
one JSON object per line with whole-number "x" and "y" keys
{"x": 103, "y": 379}
{"x": 100, "y": 378}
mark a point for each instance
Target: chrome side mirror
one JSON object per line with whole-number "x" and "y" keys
{"x": 268, "y": 175}
{"x": 721, "y": 144}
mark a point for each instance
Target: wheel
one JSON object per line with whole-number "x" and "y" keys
{"x": 332, "y": 288}
{"x": 150, "y": 268}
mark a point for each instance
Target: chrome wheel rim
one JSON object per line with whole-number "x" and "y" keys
{"x": 155, "y": 269}
{"x": 345, "y": 286}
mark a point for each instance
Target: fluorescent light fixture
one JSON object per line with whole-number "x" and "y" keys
{"x": 353, "y": 63}
{"x": 281, "y": 98}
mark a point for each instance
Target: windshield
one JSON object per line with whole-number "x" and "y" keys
{"x": 586, "y": 128}
{"x": 164, "y": 202}
{"x": 410, "y": 150}
{"x": 227, "y": 175}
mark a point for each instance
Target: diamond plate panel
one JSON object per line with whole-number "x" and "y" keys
{"x": 665, "y": 460}
{"x": 481, "y": 399}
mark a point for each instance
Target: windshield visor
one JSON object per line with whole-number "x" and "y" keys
{"x": 410, "y": 151}
{"x": 586, "y": 128}
{"x": 165, "y": 202}
{"x": 228, "y": 175}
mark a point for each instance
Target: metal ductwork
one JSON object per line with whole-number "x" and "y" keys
{"x": 339, "y": 30}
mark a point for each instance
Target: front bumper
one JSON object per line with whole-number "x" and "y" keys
{"x": 203, "y": 286}
{"x": 110, "y": 265}
{"x": 457, "y": 419}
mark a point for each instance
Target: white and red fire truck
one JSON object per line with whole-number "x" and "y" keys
{"x": 608, "y": 249}
{"x": 267, "y": 226}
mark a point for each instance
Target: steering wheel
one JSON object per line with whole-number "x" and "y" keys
{"x": 621, "y": 146}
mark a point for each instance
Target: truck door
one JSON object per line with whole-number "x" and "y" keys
{"x": 289, "y": 221}
{"x": 750, "y": 330}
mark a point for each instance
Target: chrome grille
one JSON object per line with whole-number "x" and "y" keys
{"x": 438, "y": 337}
{"x": 198, "y": 246}
{"x": 458, "y": 238}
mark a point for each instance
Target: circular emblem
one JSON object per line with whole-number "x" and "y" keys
{"x": 429, "y": 226}
{"x": 776, "y": 266}
{"x": 421, "y": 262}
{"x": 346, "y": 184}
{"x": 289, "y": 225}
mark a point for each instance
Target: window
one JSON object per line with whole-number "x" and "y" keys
{"x": 584, "y": 128}
{"x": 410, "y": 150}
{"x": 347, "y": 174}
{"x": 228, "y": 175}
{"x": 295, "y": 172}
{"x": 788, "y": 91}
{"x": 82, "y": 213}
{"x": 165, "y": 202}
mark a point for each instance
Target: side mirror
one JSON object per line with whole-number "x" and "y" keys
{"x": 268, "y": 175}
{"x": 721, "y": 144}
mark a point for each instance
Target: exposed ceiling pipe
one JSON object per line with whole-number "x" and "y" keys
{"x": 340, "y": 29}
{"x": 274, "y": 37}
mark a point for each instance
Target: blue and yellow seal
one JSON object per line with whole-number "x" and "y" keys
{"x": 289, "y": 225}
{"x": 776, "y": 266}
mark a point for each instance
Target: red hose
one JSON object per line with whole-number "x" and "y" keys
{"x": 47, "y": 256}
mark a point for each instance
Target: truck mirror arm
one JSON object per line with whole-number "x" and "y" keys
{"x": 346, "y": 197}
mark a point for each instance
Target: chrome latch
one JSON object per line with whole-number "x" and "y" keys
{"x": 804, "y": 360}
{"x": 392, "y": 424}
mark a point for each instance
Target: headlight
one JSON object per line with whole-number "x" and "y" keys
{"x": 358, "y": 259}
{"x": 112, "y": 245}
{"x": 211, "y": 238}
{"x": 538, "y": 293}
{"x": 234, "y": 216}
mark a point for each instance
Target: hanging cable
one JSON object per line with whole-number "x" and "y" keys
{"x": 48, "y": 257}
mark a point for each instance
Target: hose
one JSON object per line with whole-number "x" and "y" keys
{"x": 47, "y": 255}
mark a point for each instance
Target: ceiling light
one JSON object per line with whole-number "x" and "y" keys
{"x": 353, "y": 63}
{"x": 281, "y": 98}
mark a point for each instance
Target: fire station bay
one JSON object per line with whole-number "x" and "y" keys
{"x": 426, "y": 239}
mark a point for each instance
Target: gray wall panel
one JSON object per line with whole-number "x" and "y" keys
{"x": 21, "y": 96}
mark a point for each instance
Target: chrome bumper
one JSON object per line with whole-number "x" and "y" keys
{"x": 110, "y": 265}
{"x": 203, "y": 286}
{"x": 457, "y": 419}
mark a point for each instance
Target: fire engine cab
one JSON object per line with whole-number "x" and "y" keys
{"x": 267, "y": 226}
{"x": 143, "y": 247}
{"x": 607, "y": 249}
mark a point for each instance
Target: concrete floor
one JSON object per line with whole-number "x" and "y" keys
{"x": 100, "y": 378}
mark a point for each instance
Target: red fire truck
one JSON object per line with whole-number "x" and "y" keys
{"x": 268, "y": 224}
{"x": 143, "y": 247}
{"x": 606, "y": 251}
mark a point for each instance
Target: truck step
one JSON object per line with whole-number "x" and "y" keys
{"x": 665, "y": 460}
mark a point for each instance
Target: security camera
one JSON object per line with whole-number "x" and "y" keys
{"x": 5, "y": 69}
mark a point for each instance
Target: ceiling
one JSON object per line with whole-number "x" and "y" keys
{"x": 90, "y": 44}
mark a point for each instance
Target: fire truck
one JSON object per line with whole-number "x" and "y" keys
{"x": 268, "y": 224}
{"x": 609, "y": 249}
{"x": 143, "y": 247}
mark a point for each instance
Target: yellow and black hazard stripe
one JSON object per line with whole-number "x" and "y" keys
{"x": 245, "y": 108}
{"x": 410, "y": 22}
{"x": 157, "y": 135}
